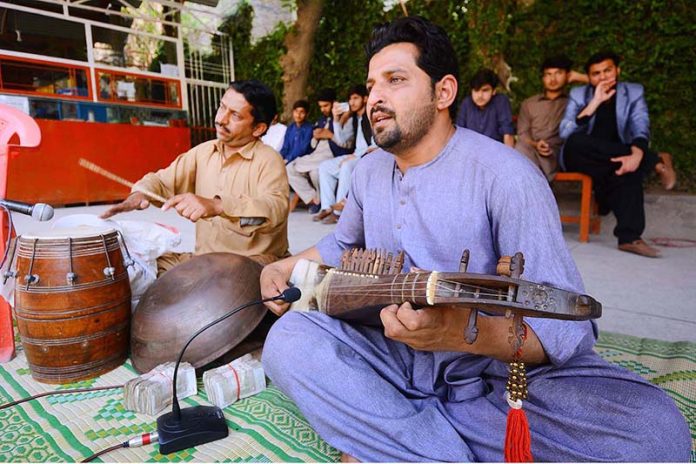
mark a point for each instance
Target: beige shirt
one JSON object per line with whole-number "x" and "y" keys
{"x": 540, "y": 119}
{"x": 252, "y": 183}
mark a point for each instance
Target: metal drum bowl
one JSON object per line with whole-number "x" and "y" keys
{"x": 188, "y": 297}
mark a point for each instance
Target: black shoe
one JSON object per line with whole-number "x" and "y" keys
{"x": 314, "y": 208}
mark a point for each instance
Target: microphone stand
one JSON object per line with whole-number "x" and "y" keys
{"x": 181, "y": 429}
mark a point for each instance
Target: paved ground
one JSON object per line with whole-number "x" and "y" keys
{"x": 644, "y": 297}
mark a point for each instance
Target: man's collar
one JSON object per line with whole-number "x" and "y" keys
{"x": 247, "y": 151}
{"x": 542, "y": 96}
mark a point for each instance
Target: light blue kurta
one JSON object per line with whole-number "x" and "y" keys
{"x": 379, "y": 400}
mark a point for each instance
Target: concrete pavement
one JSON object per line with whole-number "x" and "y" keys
{"x": 645, "y": 297}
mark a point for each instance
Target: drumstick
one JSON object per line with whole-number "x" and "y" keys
{"x": 110, "y": 175}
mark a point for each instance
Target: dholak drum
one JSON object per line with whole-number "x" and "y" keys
{"x": 72, "y": 303}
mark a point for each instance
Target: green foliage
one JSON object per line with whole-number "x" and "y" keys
{"x": 656, "y": 38}
{"x": 346, "y": 26}
{"x": 489, "y": 23}
{"x": 339, "y": 56}
{"x": 452, "y": 16}
{"x": 260, "y": 60}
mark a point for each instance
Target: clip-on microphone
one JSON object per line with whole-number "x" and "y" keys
{"x": 185, "y": 428}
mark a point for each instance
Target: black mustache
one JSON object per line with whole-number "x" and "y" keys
{"x": 382, "y": 109}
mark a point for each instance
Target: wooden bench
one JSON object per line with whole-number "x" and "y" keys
{"x": 588, "y": 219}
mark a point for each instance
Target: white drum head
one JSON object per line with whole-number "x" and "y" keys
{"x": 70, "y": 232}
{"x": 82, "y": 219}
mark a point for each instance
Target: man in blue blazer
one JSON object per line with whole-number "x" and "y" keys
{"x": 606, "y": 128}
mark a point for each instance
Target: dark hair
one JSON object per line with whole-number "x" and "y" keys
{"x": 301, "y": 104}
{"x": 482, "y": 77}
{"x": 327, "y": 95}
{"x": 260, "y": 97}
{"x": 557, "y": 62}
{"x": 358, "y": 89}
{"x": 602, "y": 56}
{"x": 436, "y": 55}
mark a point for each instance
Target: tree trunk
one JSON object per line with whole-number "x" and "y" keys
{"x": 300, "y": 48}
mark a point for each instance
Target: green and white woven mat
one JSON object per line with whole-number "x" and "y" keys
{"x": 670, "y": 366}
{"x": 263, "y": 428}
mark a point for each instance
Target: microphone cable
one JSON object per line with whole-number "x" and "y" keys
{"x": 290, "y": 295}
{"x": 144, "y": 439}
{"x": 113, "y": 387}
{"x": 104, "y": 451}
{"x": 141, "y": 440}
{"x": 148, "y": 438}
{"x": 671, "y": 242}
{"x": 8, "y": 241}
{"x": 57, "y": 392}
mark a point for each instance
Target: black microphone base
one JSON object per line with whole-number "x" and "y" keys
{"x": 198, "y": 425}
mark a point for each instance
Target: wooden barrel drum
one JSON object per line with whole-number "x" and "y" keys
{"x": 72, "y": 303}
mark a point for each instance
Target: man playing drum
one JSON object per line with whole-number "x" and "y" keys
{"x": 234, "y": 188}
{"x": 415, "y": 390}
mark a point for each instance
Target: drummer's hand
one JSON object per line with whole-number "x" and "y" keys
{"x": 135, "y": 200}
{"x": 427, "y": 329}
{"x": 194, "y": 207}
{"x": 273, "y": 282}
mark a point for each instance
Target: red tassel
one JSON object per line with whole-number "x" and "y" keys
{"x": 518, "y": 442}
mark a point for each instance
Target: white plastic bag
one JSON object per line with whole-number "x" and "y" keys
{"x": 145, "y": 242}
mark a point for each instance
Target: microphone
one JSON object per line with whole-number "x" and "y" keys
{"x": 181, "y": 429}
{"x": 39, "y": 211}
{"x": 290, "y": 295}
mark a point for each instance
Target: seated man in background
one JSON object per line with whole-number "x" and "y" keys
{"x": 486, "y": 111}
{"x": 299, "y": 134}
{"x": 303, "y": 172}
{"x": 234, "y": 188}
{"x": 606, "y": 128}
{"x": 540, "y": 116}
{"x": 352, "y": 129}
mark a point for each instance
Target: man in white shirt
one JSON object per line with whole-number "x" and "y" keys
{"x": 275, "y": 135}
{"x": 351, "y": 129}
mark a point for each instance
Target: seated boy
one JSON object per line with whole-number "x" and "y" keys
{"x": 486, "y": 111}
{"x": 299, "y": 134}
